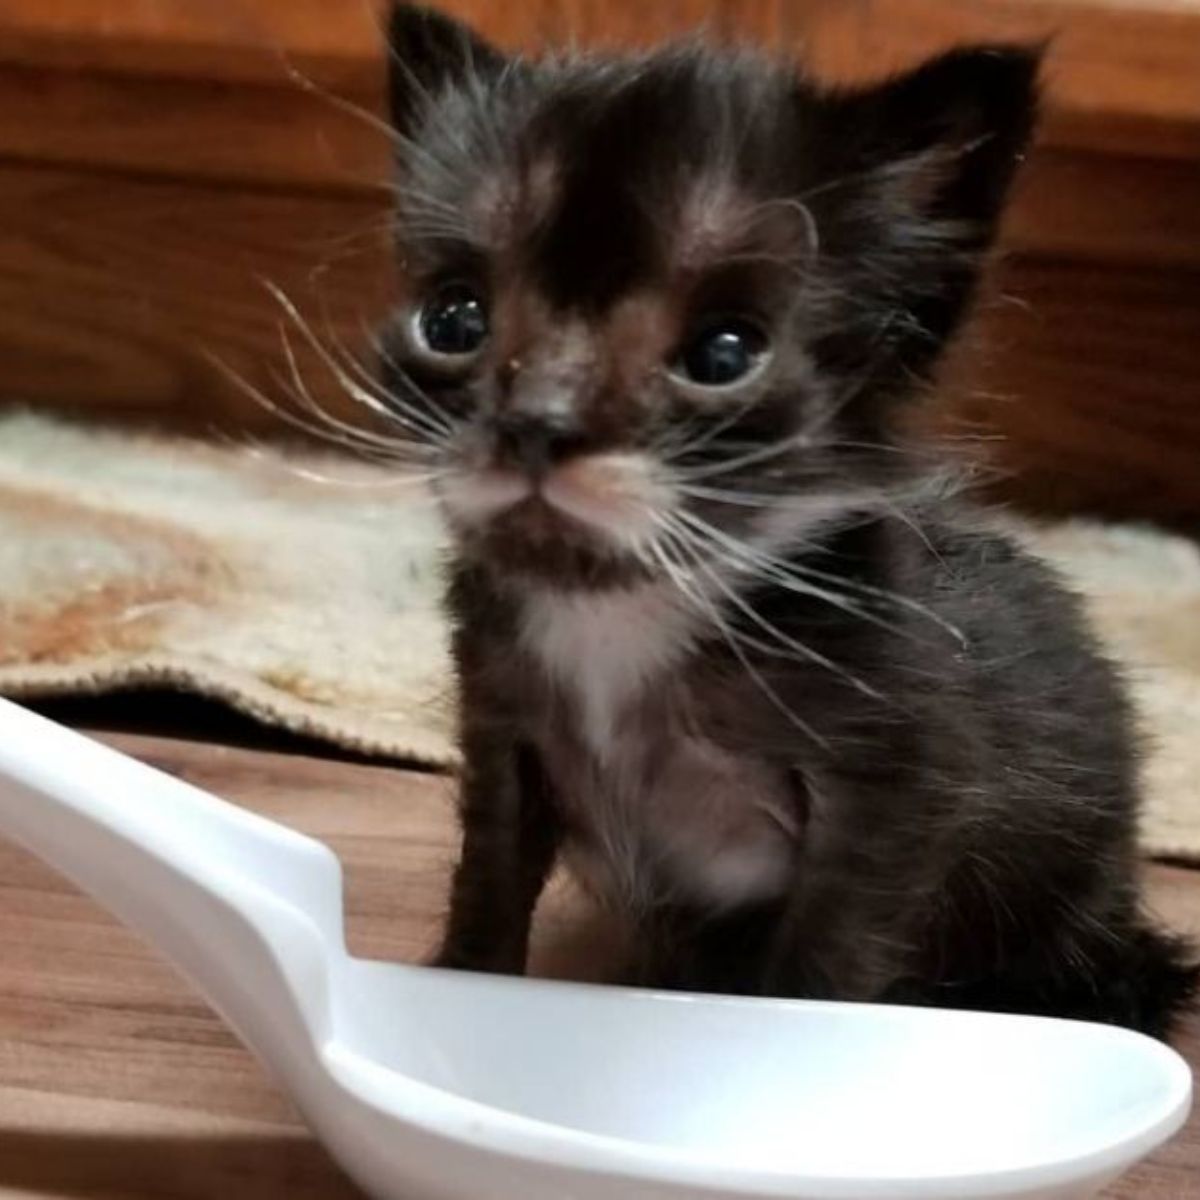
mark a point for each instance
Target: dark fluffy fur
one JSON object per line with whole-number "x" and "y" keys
{"x": 965, "y": 785}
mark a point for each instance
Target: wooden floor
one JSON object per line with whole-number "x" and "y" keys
{"x": 117, "y": 1083}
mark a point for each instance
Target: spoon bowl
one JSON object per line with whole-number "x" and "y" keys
{"x": 435, "y": 1085}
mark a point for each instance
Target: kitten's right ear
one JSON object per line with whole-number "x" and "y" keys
{"x": 428, "y": 52}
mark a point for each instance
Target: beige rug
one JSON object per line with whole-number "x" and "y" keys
{"x": 304, "y": 592}
{"x": 127, "y": 561}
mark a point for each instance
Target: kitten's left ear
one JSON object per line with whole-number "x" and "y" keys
{"x": 918, "y": 170}
{"x": 429, "y": 52}
{"x": 953, "y": 131}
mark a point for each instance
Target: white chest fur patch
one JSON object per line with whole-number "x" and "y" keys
{"x": 603, "y": 648}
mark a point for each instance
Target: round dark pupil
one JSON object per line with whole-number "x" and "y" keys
{"x": 454, "y": 323}
{"x": 720, "y": 356}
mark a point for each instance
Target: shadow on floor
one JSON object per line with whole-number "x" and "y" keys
{"x": 164, "y": 713}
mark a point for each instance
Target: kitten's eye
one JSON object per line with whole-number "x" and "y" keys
{"x": 722, "y": 353}
{"x": 453, "y": 324}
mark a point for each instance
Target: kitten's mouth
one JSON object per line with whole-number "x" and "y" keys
{"x": 610, "y": 500}
{"x": 538, "y": 521}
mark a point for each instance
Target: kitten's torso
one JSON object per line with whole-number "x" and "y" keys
{"x": 657, "y": 808}
{"x": 690, "y": 775}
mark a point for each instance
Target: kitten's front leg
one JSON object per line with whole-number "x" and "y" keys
{"x": 510, "y": 838}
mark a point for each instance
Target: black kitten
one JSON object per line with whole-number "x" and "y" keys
{"x": 721, "y": 638}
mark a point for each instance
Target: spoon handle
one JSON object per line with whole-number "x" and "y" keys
{"x": 246, "y": 908}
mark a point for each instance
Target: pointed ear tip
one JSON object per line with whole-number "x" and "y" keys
{"x": 1003, "y": 76}
{"x": 402, "y": 16}
{"x": 400, "y": 11}
{"x": 420, "y": 24}
{"x": 426, "y": 30}
{"x": 405, "y": 10}
{"x": 1019, "y": 64}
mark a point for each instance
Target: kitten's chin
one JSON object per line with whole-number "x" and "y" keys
{"x": 535, "y": 542}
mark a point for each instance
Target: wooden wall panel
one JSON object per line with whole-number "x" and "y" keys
{"x": 1083, "y": 380}
{"x": 1122, "y": 72}
{"x": 1097, "y": 207}
{"x": 232, "y": 40}
{"x": 117, "y": 293}
{"x": 184, "y": 128}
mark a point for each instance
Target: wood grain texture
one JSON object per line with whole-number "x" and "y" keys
{"x": 1120, "y": 73}
{"x": 1093, "y": 207}
{"x": 117, "y": 1084}
{"x": 123, "y": 295}
{"x": 194, "y": 129}
{"x": 1082, "y": 384}
{"x": 234, "y": 40}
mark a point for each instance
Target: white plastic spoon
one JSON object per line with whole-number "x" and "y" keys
{"x": 428, "y": 1084}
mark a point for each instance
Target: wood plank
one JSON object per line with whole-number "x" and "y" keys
{"x": 233, "y": 40}
{"x": 1082, "y": 383}
{"x": 55, "y": 1147}
{"x": 119, "y": 294}
{"x": 1106, "y": 208}
{"x": 116, "y": 1083}
{"x": 1120, "y": 75}
{"x": 1070, "y": 202}
{"x": 184, "y": 128}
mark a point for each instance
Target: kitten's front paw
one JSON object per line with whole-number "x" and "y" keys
{"x": 490, "y": 962}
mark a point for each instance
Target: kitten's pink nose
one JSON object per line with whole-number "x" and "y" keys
{"x": 535, "y": 442}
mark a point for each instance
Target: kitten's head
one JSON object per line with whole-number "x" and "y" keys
{"x": 655, "y": 301}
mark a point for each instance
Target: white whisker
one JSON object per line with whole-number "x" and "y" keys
{"x": 252, "y": 447}
{"x": 730, "y": 635}
{"x": 385, "y": 444}
{"x": 432, "y": 423}
{"x": 798, "y": 577}
{"x": 324, "y": 433}
{"x": 761, "y": 454}
{"x": 425, "y": 428}
{"x": 798, "y": 648}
